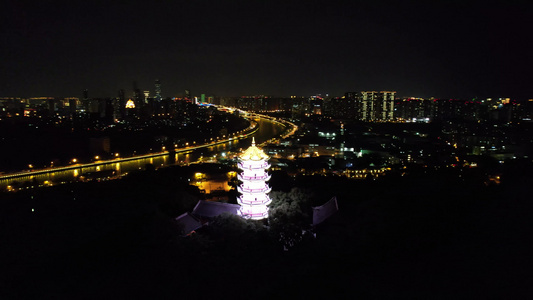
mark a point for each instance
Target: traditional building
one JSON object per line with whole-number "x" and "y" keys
{"x": 254, "y": 189}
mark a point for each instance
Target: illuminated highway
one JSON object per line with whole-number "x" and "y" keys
{"x": 266, "y": 130}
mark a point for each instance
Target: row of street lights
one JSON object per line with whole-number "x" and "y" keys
{"x": 163, "y": 148}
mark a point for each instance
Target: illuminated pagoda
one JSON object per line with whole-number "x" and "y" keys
{"x": 254, "y": 189}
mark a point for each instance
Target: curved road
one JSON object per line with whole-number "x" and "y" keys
{"x": 266, "y": 131}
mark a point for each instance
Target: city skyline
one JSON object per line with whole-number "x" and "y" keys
{"x": 394, "y": 149}
{"x": 442, "y": 50}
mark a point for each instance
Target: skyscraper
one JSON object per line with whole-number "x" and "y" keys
{"x": 138, "y": 97}
{"x": 85, "y": 100}
{"x": 120, "y": 106}
{"x": 158, "y": 96}
{"x": 377, "y": 106}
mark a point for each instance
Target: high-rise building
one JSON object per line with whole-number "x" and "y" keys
{"x": 52, "y": 105}
{"x": 72, "y": 106}
{"x": 158, "y": 96}
{"x": 377, "y": 106}
{"x": 138, "y": 96}
{"x": 120, "y": 105}
{"x": 85, "y": 100}
{"x": 346, "y": 107}
{"x": 188, "y": 94}
{"x": 415, "y": 109}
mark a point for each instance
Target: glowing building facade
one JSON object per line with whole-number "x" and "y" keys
{"x": 377, "y": 106}
{"x": 254, "y": 189}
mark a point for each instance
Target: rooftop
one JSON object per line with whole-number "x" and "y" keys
{"x": 253, "y": 153}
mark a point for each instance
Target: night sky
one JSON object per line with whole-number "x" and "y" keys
{"x": 279, "y": 48}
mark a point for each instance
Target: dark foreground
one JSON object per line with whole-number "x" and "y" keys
{"x": 425, "y": 236}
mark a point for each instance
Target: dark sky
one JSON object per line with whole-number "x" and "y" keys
{"x": 452, "y": 49}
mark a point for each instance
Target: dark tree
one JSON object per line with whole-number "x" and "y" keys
{"x": 289, "y": 216}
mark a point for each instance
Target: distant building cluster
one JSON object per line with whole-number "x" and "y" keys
{"x": 359, "y": 135}
{"x": 490, "y": 109}
{"x": 385, "y": 106}
{"x": 108, "y": 110}
{"x": 135, "y": 105}
{"x": 366, "y": 106}
{"x": 324, "y": 146}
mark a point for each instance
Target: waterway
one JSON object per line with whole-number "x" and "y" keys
{"x": 267, "y": 130}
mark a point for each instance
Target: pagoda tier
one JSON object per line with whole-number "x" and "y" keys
{"x": 262, "y": 166}
{"x": 264, "y": 189}
{"x": 248, "y": 177}
{"x": 254, "y": 189}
